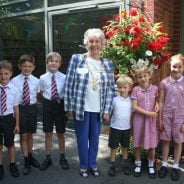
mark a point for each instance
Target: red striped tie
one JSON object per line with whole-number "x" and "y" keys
{"x": 3, "y": 99}
{"x": 54, "y": 93}
{"x": 26, "y": 93}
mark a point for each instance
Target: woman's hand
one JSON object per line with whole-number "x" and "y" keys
{"x": 70, "y": 113}
{"x": 106, "y": 118}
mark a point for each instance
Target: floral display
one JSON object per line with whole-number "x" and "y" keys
{"x": 133, "y": 41}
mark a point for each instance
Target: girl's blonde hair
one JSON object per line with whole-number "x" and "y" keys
{"x": 124, "y": 79}
{"x": 52, "y": 55}
{"x": 178, "y": 57}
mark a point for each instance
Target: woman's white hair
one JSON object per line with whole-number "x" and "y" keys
{"x": 94, "y": 32}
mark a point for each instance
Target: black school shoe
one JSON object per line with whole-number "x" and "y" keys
{"x": 162, "y": 172}
{"x": 46, "y": 163}
{"x": 34, "y": 162}
{"x": 126, "y": 167}
{"x": 112, "y": 170}
{"x": 84, "y": 173}
{"x": 95, "y": 172}
{"x": 14, "y": 171}
{"x": 137, "y": 174}
{"x": 27, "y": 169}
{"x": 175, "y": 174}
{"x": 1, "y": 173}
{"x": 64, "y": 163}
{"x": 152, "y": 175}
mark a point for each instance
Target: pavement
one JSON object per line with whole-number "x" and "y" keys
{"x": 55, "y": 174}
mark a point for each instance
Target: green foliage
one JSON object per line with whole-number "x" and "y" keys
{"x": 132, "y": 41}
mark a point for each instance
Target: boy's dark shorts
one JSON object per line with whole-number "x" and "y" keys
{"x": 28, "y": 118}
{"x": 7, "y": 126}
{"x": 117, "y": 137}
{"x": 53, "y": 114}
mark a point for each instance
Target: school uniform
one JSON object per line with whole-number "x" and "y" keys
{"x": 173, "y": 109}
{"x": 120, "y": 122}
{"x": 53, "y": 108}
{"x": 144, "y": 127}
{"x": 28, "y": 110}
{"x": 7, "y": 120}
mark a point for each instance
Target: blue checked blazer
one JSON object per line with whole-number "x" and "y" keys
{"x": 76, "y": 86}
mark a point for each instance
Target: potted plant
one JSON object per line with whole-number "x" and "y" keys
{"x": 132, "y": 40}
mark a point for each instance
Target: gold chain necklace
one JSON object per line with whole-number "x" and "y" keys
{"x": 96, "y": 79}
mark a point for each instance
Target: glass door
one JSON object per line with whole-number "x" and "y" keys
{"x": 66, "y": 36}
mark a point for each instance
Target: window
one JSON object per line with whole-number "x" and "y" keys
{"x": 22, "y": 5}
{"x": 61, "y": 2}
{"x": 23, "y": 35}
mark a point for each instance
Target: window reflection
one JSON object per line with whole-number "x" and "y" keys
{"x": 21, "y": 35}
{"x": 24, "y": 5}
{"x": 69, "y": 30}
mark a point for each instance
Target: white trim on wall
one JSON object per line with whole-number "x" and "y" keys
{"x": 12, "y": 2}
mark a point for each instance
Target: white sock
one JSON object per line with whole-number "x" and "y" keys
{"x": 150, "y": 163}
{"x": 175, "y": 165}
{"x": 138, "y": 163}
{"x": 164, "y": 163}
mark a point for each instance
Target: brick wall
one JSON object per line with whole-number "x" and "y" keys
{"x": 168, "y": 12}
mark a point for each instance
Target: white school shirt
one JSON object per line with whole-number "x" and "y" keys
{"x": 92, "y": 98}
{"x": 33, "y": 83}
{"x": 12, "y": 98}
{"x": 45, "y": 84}
{"x": 122, "y": 110}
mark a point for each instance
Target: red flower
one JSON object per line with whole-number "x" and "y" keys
{"x": 117, "y": 18}
{"x": 155, "y": 46}
{"x": 127, "y": 43}
{"x": 133, "y": 12}
{"x": 109, "y": 33}
{"x": 163, "y": 40}
{"x": 141, "y": 19}
{"x": 136, "y": 42}
{"x": 138, "y": 30}
{"x": 157, "y": 61}
{"x": 165, "y": 57}
{"x": 135, "y": 23}
{"x": 127, "y": 29}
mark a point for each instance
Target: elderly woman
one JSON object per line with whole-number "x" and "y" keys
{"x": 89, "y": 91}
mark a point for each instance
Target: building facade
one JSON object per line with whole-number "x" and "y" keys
{"x": 38, "y": 27}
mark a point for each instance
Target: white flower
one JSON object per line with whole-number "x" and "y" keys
{"x": 141, "y": 63}
{"x": 148, "y": 53}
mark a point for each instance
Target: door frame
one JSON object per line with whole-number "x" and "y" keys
{"x": 82, "y": 7}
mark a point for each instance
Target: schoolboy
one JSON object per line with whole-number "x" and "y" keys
{"x": 28, "y": 86}
{"x": 9, "y": 116}
{"x": 52, "y": 90}
{"x": 121, "y": 124}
